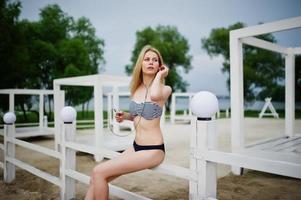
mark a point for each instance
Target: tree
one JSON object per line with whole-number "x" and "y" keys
{"x": 55, "y": 46}
{"x": 263, "y": 70}
{"x": 174, "y": 49}
{"x": 15, "y": 64}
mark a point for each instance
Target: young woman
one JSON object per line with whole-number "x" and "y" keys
{"x": 148, "y": 96}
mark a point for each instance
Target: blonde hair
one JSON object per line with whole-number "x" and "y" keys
{"x": 137, "y": 72}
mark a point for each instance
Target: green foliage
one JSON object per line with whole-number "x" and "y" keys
{"x": 174, "y": 49}
{"x": 263, "y": 70}
{"x": 33, "y": 54}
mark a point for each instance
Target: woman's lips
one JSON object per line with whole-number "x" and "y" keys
{"x": 150, "y": 67}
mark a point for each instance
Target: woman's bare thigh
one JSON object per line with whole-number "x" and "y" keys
{"x": 131, "y": 161}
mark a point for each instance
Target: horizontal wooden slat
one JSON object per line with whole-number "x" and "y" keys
{"x": 44, "y": 175}
{"x": 35, "y": 147}
{"x": 254, "y": 162}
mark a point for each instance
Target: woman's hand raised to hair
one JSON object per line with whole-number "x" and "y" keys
{"x": 163, "y": 72}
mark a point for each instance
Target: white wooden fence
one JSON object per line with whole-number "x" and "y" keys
{"x": 201, "y": 175}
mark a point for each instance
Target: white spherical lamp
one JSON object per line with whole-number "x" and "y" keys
{"x": 9, "y": 118}
{"x": 68, "y": 114}
{"x": 204, "y": 105}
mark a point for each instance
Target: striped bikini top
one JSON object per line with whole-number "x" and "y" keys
{"x": 148, "y": 110}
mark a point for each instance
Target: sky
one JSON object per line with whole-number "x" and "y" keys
{"x": 117, "y": 21}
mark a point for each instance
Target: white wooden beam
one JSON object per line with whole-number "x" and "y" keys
{"x": 237, "y": 97}
{"x": 256, "y": 163}
{"x": 289, "y": 93}
{"x": 270, "y": 27}
{"x": 297, "y": 50}
{"x": 264, "y": 44}
{"x": 26, "y": 91}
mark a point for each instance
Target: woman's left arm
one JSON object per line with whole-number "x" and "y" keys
{"x": 158, "y": 90}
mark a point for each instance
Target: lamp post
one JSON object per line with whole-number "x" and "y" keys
{"x": 9, "y": 147}
{"x": 204, "y": 106}
{"x": 68, "y": 161}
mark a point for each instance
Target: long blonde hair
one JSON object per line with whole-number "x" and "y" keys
{"x": 137, "y": 72}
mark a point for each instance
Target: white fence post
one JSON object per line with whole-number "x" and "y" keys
{"x": 205, "y": 105}
{"x": 9, "y": 148}
{"x": 68, "y": 161}
{"x": 45, "y": 121}
{"x": 207, "y": 171}
{"x": 193, "y": 186}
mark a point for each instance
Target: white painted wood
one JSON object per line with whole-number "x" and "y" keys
{"x": 236, "y": 91}
{"x": 268, "y": 104}
{"x": 98, "y": 81}
{"x": 287, "y": 144}
{"x": 45, "y": 121}
{"x": 57, "y": 109}
{"x": 35, "y": 147}
{"x": 11, "y": 102}
{"x": 41, "y": 110}
{"x": 124, "y": 194}
{"x": 297, "y": 50}
{"x": 115, "y": 99}
{"x": 270, "y": 27}
{"x": 68, "y": 161}
{"x": 46, "y": 176}
{"x": 173, "y": 115}
{"x": 227, "y": 113}
{"x": 13, "y": 92}
{"x": 257, "y": 144}
{"x": 264, "y": 44}
{"x": 9, "y": 152}
{"x": 206, "y": 140}
{"x": 289, "y": 93}
{"x": 193, "y": 186}
{"x": 272, "y": 155}
{"x": 26, "y": 91}
{"x": 290, "y": 169}
{"x": 98, "y": 109}
{"x": 110, "y": 109}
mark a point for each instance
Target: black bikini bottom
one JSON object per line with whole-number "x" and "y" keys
{"x": 138, "y": 147}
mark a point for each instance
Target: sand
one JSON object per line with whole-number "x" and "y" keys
{"x": 252, "y": 185}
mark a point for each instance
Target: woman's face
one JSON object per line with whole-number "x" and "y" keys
{"x": 150, "y": 63}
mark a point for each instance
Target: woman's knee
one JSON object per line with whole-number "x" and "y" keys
{"x": 99, "y": 172}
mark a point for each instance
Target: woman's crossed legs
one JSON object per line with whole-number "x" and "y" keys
{"x": 129, "y": 161}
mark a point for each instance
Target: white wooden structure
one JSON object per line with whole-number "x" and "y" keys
{"x": 113, "y": 103}
{"x": 98, "y": 82}
{"x": 202, "y": 173}
{"x": 208, "y": 157}
{"x": 187, "y": 114}
{"x": 67, "y": 156}
{"x": 268, "y": 104}
{"x": 247, "y": 36}
{"x": 31, "y": 129}
{"x": 173, "y": 110}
